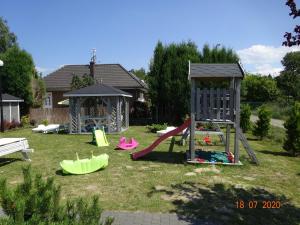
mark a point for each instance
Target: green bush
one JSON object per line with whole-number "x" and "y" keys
{"x": 25, "y": 121}
{"x": 37, "y": 201}
{"x": 45, "y": 122}
{"x": 156, "y": 127}
{"x": 262, "y": 125}
{"x": 292, "y": 126}
{"x": 245, "y": 123}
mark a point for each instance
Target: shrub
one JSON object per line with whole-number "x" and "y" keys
{"x": 37, "y": 201}
{"x": 32, "y": 122}
{"x": 25, "y": 121}
{"x": 14, "y": 124}
{"x": 262, "y": 126}
{"x": 45, "y": 122}
{"x": 245, "y": 123}
{"x": 292, "y": 126}
{"x": 156, "y": 127}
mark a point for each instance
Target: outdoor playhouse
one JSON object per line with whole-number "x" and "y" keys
{"x": 215, "y": 98}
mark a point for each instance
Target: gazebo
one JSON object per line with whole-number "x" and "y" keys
{"x": 98, "y": 106}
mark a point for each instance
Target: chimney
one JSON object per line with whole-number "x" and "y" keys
{"x": 92, "y": 64}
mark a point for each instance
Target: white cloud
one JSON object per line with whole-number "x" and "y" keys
{"x": 264, "y": 59}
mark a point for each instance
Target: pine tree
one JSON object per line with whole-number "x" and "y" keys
{"x": 37, "y": 201}
{"x": 262, "y": 126}
{"x": 245, "y": 123}
{"x": 292, "y": 126}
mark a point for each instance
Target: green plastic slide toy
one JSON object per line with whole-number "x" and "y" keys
{"x": 84, "y": 166}
{"x": 100, "y": 138}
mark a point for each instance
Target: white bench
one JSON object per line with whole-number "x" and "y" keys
{"x": 11, "y": 145}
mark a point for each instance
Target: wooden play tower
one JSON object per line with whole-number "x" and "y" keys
{"x": 215, "y": 98}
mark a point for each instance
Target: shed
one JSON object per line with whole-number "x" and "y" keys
{"x": 98, "y": 105}
{"x": 11, "y": 108}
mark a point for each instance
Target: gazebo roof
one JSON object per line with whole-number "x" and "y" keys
{"x": 97, "y": 90}
{"x": 220, "y": 70}
{"x": 10, "y": 98}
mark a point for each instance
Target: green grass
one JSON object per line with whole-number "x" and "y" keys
{"x": 157, "y": 183}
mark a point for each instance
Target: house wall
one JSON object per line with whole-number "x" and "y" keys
{"x": 57, "y": 96}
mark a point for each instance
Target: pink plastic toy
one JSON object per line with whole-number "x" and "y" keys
{"x": 123, "y": 145}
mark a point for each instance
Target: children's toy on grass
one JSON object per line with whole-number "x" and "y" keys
{"x": 124, "y": 145}
{"x": 84, "y": 166}
{"x": 99, "y": 138}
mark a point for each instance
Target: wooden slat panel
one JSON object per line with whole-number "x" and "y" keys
{"x": 205, "y": 108}
{"x": 218, "y": 103}
{"x": 211, "y": 103}
{"x": 231, "y": 103}
{"x": 198, "y": 104}
{"x": 224, "y": 104}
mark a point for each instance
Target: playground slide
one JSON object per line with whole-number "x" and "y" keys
{"x": 150, "y": 148}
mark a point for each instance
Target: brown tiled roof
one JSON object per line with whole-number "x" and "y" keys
{"x": 111, "y": 74}
{"x": 97, "y": 90}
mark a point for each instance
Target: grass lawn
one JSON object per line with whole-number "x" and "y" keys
{"x": 163, "y": 182}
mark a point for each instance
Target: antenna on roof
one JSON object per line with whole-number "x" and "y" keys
{"x": 93, "y": 59}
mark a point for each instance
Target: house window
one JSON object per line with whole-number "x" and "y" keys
{"x": 48, "y": 100}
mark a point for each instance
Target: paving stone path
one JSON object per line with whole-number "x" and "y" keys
{"x": 143, "y": 218}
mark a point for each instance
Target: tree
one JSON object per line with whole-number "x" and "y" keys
{"x": 169, "y": 88}
{"x": 245, "y": 123}
{"x": 259, "y": 88}
{"x": 7, "y": 38}
{"x": 17, "y": 74}
{"x": 289, "y": 79}
{"x": 140, "y": 73}
{"x": 78, "y": 82}
{"x": 218, "y": 55}
{"x": 38, "y": 90}
{"x": 37, "y": 201}
{"x": 292, "y": 39}
{"x": 292, "y": 126}
{"x": 262, "y": 126}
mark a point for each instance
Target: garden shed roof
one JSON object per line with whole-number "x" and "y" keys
{"x": 10, "y": 98}
{"x": 97, "y": 90}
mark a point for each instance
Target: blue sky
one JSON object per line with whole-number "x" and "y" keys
{"x": 64, "y": 32}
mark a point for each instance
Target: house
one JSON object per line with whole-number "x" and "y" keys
{"x": 11, "y": 108}
{"x": 107, "y": 103}
{"x": 114, "y": 75}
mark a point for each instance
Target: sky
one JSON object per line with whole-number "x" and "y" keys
{"x": 61, "y": 32}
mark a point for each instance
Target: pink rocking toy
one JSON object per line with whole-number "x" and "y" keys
{"x": 123, "y": 145}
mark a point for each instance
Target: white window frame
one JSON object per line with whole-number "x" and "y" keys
{"x": 48, "y": 102}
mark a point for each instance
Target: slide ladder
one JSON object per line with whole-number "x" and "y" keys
{"x": 247, "y": 147}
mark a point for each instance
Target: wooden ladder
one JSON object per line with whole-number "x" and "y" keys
{"x": 247, "y": 147}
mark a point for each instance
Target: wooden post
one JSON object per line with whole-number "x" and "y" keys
{"x": 237, "y": 120}
{"x": 192, "y": 132}
{"x": 71, "y": 105}
{"x": 231, "y": 99}
{"x": 227, "y": 146}
{"x": 127, "y": 112}
{"x": 118, "y": 115}
{"x": 78, "y": 106}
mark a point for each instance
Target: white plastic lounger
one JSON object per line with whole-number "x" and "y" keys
{"x": 11, "y": 145}
{"x": 40, "y": 128}
{"x": 51, "y": 128}
{"x": 162, "y": 132}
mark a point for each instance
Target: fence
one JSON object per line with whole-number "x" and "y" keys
{"x": 55, "y": 115}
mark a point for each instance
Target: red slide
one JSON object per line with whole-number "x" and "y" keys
{"x": 150, "y": 148}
